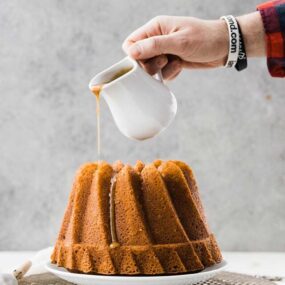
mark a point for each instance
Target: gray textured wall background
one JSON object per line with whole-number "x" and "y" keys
{"x": 230, "y": 126}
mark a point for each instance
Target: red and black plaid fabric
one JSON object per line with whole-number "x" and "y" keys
{"x": 273, "y": 16}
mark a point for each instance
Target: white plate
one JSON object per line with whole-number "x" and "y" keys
{"x": 181, "y": 279}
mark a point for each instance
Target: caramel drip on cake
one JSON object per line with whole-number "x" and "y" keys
{"x": 114, "y": 237}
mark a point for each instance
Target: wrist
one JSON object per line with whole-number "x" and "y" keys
{"x": 223, "y": 39}
{"x": 253, "y": 34}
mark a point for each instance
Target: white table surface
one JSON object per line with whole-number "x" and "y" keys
{"x": 253, "y": 263}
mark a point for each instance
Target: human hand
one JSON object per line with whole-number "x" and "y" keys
{"x": 173, "y": 43}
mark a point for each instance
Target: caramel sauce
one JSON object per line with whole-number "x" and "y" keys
{"x": 114, "y": 245}
{"x": 120, "y": 73}
{"x": 96, "y": 91}
{"x": 114, "y": 237}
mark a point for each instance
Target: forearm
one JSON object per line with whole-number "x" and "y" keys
{"x": 253, "y": 34}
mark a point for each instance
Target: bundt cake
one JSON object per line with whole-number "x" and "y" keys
{"x": 141, "y": 220}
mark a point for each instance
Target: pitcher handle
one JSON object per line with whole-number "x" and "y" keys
{"x": 158, "y": 76}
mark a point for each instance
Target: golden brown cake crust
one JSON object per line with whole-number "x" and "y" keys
{"x": 159, "y": 221}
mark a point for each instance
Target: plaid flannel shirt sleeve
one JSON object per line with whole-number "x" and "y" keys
{"x": 273, "y": 17}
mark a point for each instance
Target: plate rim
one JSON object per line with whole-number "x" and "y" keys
{"x": 53, "y": 268}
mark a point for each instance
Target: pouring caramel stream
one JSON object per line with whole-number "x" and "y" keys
{"x": 96, "y": 91}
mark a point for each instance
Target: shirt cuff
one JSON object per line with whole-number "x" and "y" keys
{"x": 273, "y": 15}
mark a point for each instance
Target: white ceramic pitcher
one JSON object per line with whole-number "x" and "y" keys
{"x": 141, "y": 105}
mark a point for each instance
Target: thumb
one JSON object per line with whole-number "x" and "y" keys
{"x": 153, "y": 46}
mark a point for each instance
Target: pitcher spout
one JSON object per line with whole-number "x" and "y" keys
{"x": 112, "y": 73}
